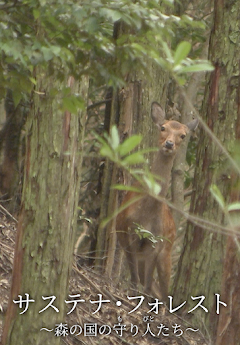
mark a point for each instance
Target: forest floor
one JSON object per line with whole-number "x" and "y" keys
{"x": 116, "y": 322}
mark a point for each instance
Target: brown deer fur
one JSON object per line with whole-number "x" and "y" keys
{"x": 151, "y": 214}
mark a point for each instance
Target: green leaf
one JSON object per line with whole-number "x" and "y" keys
{"x": 181, "y": 81}
{"x": 167, "y": 51}
{"x": 153, "y": 186}
{"x": 120, "y": 209}
{"x": 216, "y": 193}
{"x": 182, "y": 51}
{"x": 56, "y": 50}
{"x": 151, "y": 149}
{"x": 33, "y": 80}
{"x": 138, "y": 47}
{"x": 145, "y": 233}
{"x": 135, "y": 158}
{"x": 196, "y": 68}
{"x": 113, "y": 14}
{"x": 235, "y": 206}
{"x": 17, "y": 96}
{"x": 47, "y": 53}
{"x": 106, "y": 151}
{"x": 36, "y": 13}
{"x": 72, "y": 103}
{"x": 127, "y": 188}
{"x": 114, "y": 137}
{"x": 99, "y": 138}
{"x": 129, "y": 144}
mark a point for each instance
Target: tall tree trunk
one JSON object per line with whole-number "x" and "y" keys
{"x": 10, "y": 138}
{"x": 228, "y": 331}
{"x": 192, "y": 91}
{"x": 47, "y": 221}
{"x": 178, "y": 174}
{"x": 200, "y": 266}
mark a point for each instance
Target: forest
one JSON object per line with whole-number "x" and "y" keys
{"x": 119, "y": 172}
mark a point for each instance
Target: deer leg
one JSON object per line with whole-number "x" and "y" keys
{"x": 141, "y": 271}
{"x": 133, "y": 266}
{"x": 164, "y": 266}
{"x": 150, "y": 264}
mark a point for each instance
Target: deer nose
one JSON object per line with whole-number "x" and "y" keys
{"x": 169, "y": 144}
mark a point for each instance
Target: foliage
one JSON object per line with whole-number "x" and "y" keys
{"x": 120, "y": 153}
{"x": 76, "y": 38}
{"x": 231, "y": 211}
{"x": 144, "y": 233}
{"x": 226, "y": 208}
{"x": 117, "y": 152}
{"x": 179, "y": 64}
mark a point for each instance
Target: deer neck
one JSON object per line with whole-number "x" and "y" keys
{"x": 162, "y": 167}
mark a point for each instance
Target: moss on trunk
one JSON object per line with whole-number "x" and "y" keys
{"x": 47, "y": 222}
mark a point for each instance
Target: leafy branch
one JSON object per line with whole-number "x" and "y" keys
{"x": 122, "y": 155}
{"x": 77, "y": 39}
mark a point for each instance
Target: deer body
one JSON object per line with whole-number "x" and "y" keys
{"x": 152, "y": 214}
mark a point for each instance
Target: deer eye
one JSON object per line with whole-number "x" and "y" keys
{"x": 162, "y": 129}
{"x": 183, "y": 136}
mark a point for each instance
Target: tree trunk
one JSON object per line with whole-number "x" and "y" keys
{"x": 192, "y": 92}
{"x": 200, "y": 266}
{"x": 228, "y": 331}
{"x": 131, "y": 112}
{"x": 10, "y": 138}
{"x": 179, "y": 167}
{"x": 47, "y": 221}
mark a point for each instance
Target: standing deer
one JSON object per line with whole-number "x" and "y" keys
{"x": 152, "y": 214}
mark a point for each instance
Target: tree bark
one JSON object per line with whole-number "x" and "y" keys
{"x": 10, "y": 138}
{"x": 200, "y": 267}
{"x": 193, "y": 89}
{"x": 49, "y": 209}
{"x": 228, "y": 331}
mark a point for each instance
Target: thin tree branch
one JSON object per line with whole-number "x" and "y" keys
{"x": 97, "y": 104}
{"x": 5, "y": 211}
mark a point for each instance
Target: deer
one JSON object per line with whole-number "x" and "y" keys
{"x": 152, "y": 214}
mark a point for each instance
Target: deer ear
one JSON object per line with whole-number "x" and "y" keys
{"x": 192, "y": 125}
{"x": 158, "y": 114}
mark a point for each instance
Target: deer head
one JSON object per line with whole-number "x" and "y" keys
{"x": 172, "y": 133}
